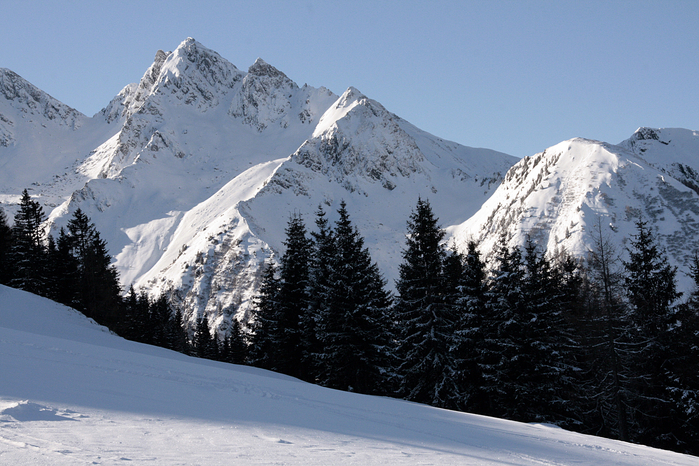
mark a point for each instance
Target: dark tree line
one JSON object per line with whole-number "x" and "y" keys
{"x": 598, "y": 346}
{"x": 325, "y": 315}
{"x": 75, "y": 269}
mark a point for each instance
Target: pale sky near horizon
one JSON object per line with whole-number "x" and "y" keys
{"x": 513, "y": 76}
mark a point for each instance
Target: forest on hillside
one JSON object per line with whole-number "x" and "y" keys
{"x": 596, "y": 344}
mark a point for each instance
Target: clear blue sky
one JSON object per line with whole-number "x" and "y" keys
{"x": 514, "y": 76}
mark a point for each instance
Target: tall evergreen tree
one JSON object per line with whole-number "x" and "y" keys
{"x": 98, "y": 287}
{"x": 205, "y": 345}
{"x": 320, "y": 294}
{"x": 5, "y": 246}
{"x": 234, "y": 348}
{"x": 471, "y": 294}
{"x": 355, "y": 327}
{"x": 544, "y": 368}
{"x": 607, "y": 364}
{"x": 683, "y": 365}
{"x": 428, "y": 372}
{"x": 177, "y": 334}
{"x": 265, "y": 330}
{"x": 293, "y": 299}
{"x": 651, "y": 287}
{"x": 28, "y": 253}
{"x": 570, "y": 279}
{"x": 503, "y": 330}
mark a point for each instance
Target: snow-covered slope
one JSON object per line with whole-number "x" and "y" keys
{"x": 42, "y": 141}
{"x": 72, "y": 393}
{"x": 191, "y": 175}
{"x": 558, "y": 196}
{"x": 674, "y": 151}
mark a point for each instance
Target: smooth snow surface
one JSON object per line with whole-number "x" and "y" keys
{"x": 71, "y": 393}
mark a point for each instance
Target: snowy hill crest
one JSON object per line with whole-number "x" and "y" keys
{"x": 558, "y": 196}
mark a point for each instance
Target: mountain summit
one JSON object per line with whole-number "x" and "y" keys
{"x": 560, "y": 196}
{"x": 192, "y": 173}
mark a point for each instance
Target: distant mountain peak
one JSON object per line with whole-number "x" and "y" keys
{"x": 29, "y": 99}
{"x": 262, "y": 68}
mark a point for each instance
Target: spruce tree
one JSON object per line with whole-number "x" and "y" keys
{"x": 205, "y": 345}
{"x": 544, "y": 366}
{"x": 651, "y": 288}
{"x": 470, "y": 301}
{"x": 28, "y": 253}
{"x": 683, "y": 386}
{"x": 99, "y": 281}
{"x": 5, "y": 246}
{"x": 234, "y": 348}
{"x": 65, "y": 271}
{"x": 264, "y": 324}
{"x": 503, "y": 328}
{"x": 293, "y": 299}
{"x": 428, "y": 369}
{"x": 607, "y": 364}
{"x": 354, "y": 325}
{"x": 320, "y": 294}
{"x": 177, "y": 334}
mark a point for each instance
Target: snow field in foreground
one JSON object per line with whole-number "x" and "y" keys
{"x": 72, "y": 393}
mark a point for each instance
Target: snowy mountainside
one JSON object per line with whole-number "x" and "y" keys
{"x": 674, "y": 151}
{"x": 359, "y": 153}
{"x": 73, "y": 393}
{"x": 557, "y": 198}
{"x": 191, "y": 174}
{"x": 42, "y": 141}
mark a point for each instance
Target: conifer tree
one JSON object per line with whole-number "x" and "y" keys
{"x": 234, "y": 348}
{"x": 651, "y": 287}
{"x": 683, "y": 385}
{"x": 5, "y": 245}
{"x": 292, "y": 300}
{"x": 428, "y": 372}
{"x": 98, "y": 289}
{"x": 314, "y": 319}
{"x": 205, "y": 344}
{"x": 469, "y": 336}
{"x": 544, "y": 365}
{"x": 264, "y": 325}
{"x": 354, "y": 328}
{"x": 28, "y": 252}
{"x": 503, "y": 329}
{"x": 65, "y": 272}
{"x": 177, "y": 334}
{"x": 607, "y": 364}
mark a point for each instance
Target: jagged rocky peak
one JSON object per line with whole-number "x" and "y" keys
{"x": 27, "y": 98}
{"x": 267, "y": 97}
{"x": 358, "y": 136}
{"x": 262, "y": 68}
{"x": 192, "y": 73}
{"x": 215, "y": 69}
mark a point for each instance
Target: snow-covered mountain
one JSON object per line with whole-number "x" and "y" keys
{"x": 191, "y": 174}
{"x": 558, "y": 196}
{"x": 72, "y": 393}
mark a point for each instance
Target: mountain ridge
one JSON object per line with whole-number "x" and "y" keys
{"x": 191, "y": 173}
